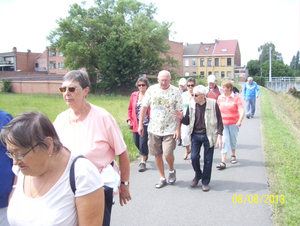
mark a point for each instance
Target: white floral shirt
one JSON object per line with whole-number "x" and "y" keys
{"x": 163, "y": 103}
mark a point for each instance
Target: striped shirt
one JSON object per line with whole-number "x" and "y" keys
{"x": 229, "y": 107}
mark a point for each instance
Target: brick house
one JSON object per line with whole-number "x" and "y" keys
{"x": 17, "y": 61}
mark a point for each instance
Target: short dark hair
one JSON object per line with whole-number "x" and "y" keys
{"x": 191, "y": 80}
{"x": 80, "y": 76}
{"x": 142, "y": 79}
{"x": 28, "y": 129}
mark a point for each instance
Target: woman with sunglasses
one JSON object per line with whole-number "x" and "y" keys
{"x": 134, "y": 110}
{"x": 206, "y": 127}
{"x": 89, "y": 130}
{"x": 43, "y": 194}
{"x": 187, "y": 97}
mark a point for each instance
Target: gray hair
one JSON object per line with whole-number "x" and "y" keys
{"x": 79, "y": 76}
{"x": 28, "y": 129}
{"x": 200, "y": 89}
{"x": 250, "y": 79}
{"x": 142, "y": 79}
{"x": 163, "y": 72}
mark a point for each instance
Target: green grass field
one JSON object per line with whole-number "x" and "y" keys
{"x": 52, "y": 105}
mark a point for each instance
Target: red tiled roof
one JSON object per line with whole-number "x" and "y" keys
{"x": 230, "y": 45}
{"x": 206, "y": 49}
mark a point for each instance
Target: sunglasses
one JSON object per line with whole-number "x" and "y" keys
{"x": 64, "y": 89}
{"x": 190, "y": 85}
{"x": 141, "y": 85}
{"x": 195, "y": 95}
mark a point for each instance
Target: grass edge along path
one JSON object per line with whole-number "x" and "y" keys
{"x": 281, "y": 150}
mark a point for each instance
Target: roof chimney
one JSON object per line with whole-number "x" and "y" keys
{"x": 28, "y": 50}
{"x": 14, "y": 49}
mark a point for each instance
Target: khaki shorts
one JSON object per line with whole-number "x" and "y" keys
{"x": 159, "y": 145}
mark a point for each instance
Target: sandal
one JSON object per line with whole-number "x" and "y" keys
{"x": 186, "y": 155}
{"x": 233, "y": 159}
{"x": 221, "y": 166}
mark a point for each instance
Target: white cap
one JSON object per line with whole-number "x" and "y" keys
{"x": 211, "y": 79}
{"x": 182, "y": 82}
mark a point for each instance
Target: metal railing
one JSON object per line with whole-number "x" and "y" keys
{"x": 283, "y": 79}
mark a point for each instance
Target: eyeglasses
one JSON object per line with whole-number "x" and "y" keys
{"x": 17, "y": 156}
{"x": 190, "y": 85}
{"x": 141, "y": 85}
{"x": 64, "y": 89}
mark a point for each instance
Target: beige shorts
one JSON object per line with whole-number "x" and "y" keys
{"x": 159, "y": 145}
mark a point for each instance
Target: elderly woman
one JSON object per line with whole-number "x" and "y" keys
{"x": 88, "y": 130}
{"x": 43, "y": 195}
{"x": 187, "y": 97}
{"x": 134, "y": 110}
{"x": 204, "y": 117}
{"x": 233, "y": 113}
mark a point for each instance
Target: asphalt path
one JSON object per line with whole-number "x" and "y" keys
{"x": 179, "y": 204}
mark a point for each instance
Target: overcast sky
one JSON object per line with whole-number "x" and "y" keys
{"x": 25, "y": 24}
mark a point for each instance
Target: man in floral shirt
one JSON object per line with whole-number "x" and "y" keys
{"x": 164, "y": 128}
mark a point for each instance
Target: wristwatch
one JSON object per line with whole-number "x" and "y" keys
{"x": 126, "y": 183}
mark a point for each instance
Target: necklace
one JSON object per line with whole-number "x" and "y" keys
{"x": 33, "y": 196}
{"x": 75, "y": 115}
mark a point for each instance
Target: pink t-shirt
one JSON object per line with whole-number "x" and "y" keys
{"x": 229, "y": 107}
{"x": 97, "y": 137}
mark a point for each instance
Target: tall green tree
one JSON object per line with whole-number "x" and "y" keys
{"x": 115, "y": 41}
{"x": 295, "y": 64}
{"x": 264, "y": 51}
{"x": 279, "y": 69}
{"x": 253, "y": 67}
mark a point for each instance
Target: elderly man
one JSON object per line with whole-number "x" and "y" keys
{"x": 214, "y": 91}
{"x": 182, "y": 85}
{"x": 206, "y": 128}
{"x": 251, "y": 92}
{"x": 164, "y": 128}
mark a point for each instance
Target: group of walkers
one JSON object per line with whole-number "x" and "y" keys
{"x": 197, "y": 115}
{"x": 44, "y": 166}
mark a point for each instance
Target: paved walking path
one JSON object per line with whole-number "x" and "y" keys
{"x": 179, "y": 204}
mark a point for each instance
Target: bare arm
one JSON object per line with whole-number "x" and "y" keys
{"x": 242, "y": 115}
{"x": 125, "y": 172}
{"x": 141, "y": 120}
{"x": 90, "y": 208}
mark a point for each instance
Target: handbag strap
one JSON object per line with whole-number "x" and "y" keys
{"x": 72, "y": 173}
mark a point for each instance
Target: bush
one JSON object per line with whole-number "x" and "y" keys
{"x": 260, "y": 80}
{"x": 6, "y": 86}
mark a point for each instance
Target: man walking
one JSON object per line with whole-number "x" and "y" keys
{"x": 251, "y": 92}
{"x": 214, "y": 91}
{"x": 164, "y": 128}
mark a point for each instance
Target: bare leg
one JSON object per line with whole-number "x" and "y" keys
{"x": 160, "y": 165}
{"x": 170, "y": 160}
{"x": 188, "y": 151}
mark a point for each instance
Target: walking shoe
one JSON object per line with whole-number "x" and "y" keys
{"x": 161, "y": 183}
{"x": 247, "y": 116}
{"x": 142, "y": 167}
{"x": 205, "y": 187}
{"x": 251, "y": 116}
{"x": 194, "y": 182}
{"x": 172, "y": 177}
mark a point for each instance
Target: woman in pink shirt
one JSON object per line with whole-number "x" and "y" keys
{"x": 89, "y": 130}
{"x": 233, "y": 113}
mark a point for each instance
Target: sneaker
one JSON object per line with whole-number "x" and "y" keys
{"x": 172, "y": 177}
{"x": 194, "y": 182}
{"x": 205, "y": 187}
{"x": 142, "y": 167}
{"x": 251, "y": 116}
{"x": 247, "y": 116}
{"x": 161, "y": 183}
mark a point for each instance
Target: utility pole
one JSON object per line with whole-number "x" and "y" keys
{"x": 270, "y": 71}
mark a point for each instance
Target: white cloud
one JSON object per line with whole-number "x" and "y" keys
{"x": 25, "y": 24}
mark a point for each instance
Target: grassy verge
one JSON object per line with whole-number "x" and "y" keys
{"x": 280, "y": 120}
{"x": 52, "y": 105}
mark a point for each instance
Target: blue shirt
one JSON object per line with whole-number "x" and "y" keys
{"x": 251, "y": 91}
{"x": 6, "y": 174}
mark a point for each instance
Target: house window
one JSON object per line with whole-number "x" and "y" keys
{"x": 60, "y": 54}
{"x": 217, "y": 74}
{"x": 187, "y": 74}
{"x": 209, "y": 73}
{"x": 202, "y": 73}
{"x": 228, "y": 74}
{"x": 194, "y": 73}
{"x": 194, "y": 62}
{"x": 217, "y": 62}
{"x": 222, "y": 74}
{"x": 202, "y": 63}
{"x": 228, "y": 61}
{"x": 186, "y": 62}
{"x": 36, "y": 64}
{"x": 60, "y": 65}
{"x": 209, "y": 62}
{"x": 52, "y": 53}
{"x": 52, "y": 65}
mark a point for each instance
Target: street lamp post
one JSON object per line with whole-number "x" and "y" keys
{"x": 270, "y": 71}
